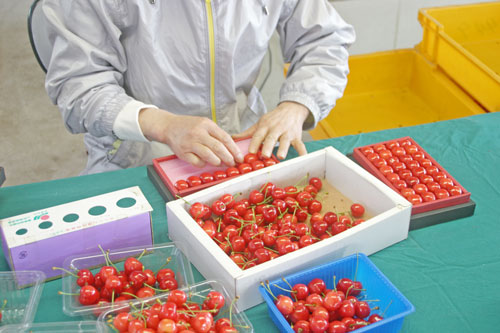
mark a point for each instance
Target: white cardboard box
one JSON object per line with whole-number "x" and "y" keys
{"x": 388, "y": 226}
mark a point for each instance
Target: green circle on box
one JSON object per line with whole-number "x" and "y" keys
{"x": 71, "y": 218}
{"x": 21, "y": 231}
{"x": 126, "y": 202}
{"x": 45, "y": 225}
{"x": 97, "y": 210}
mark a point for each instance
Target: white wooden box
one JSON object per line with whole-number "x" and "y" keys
{"x": 389, "y": 225}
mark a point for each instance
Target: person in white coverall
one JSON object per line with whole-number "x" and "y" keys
{"x": 143, "y": 78}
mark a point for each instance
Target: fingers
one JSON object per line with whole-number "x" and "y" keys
{"x": 247, "y": 133}
{"x": 192, "y": 159}
{"x": 269, "y": 142}
{"x": 225, "y": 147}
{"x": 300, "y": 147}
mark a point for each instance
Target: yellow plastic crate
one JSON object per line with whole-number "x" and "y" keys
{"x": 394, "y": 89}
{"x": 465, "y": 42}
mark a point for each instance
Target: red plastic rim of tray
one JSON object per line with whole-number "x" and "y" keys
{"x": 171, "y": 169}
{"x": 366, "y": 159}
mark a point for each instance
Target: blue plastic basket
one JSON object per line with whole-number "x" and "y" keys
{"x": 376, "y": 284}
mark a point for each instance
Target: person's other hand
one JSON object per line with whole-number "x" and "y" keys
{"x": 196, "y": 140}
{"x": 283, "y": 125}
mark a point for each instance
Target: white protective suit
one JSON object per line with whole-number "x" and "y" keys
{"x": 192, "y": 57}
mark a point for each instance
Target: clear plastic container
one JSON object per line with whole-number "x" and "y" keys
{"x": 356, "y": 266}
{"x": 196, "y": 293}
{"x": 153, "y": 257}
{"x": 19, "y": 296}
{"x": 62, "y": 327}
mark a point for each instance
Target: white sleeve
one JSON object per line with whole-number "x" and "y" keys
{"x": 126, "y": 125}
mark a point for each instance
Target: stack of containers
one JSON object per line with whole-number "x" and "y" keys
{"x": 452, "y": 73}
{"x": 465, "y": 42}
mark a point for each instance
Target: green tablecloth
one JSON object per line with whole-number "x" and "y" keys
{"x": 450, "y": 272}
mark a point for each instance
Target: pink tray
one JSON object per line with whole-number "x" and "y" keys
{"x": 464, "y": 197}
{"x": 171, "y": 169}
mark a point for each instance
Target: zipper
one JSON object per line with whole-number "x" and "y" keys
{"x": 211, "y": 42}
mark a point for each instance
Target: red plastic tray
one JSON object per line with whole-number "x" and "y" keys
{"x": 364, "y": 157}
{"x": 171, "y": 169}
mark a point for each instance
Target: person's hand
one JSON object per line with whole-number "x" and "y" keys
{"x": 196, "y": 140}
{"x": 283, "y": 125}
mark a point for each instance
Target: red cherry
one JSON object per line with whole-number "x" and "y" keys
{"x": 88, "y": 295}
{"x": 362, "y": 309}
{"x": 346, "y": 309}
{"x": 136, "y": 325}
{"x": 121, "y": 321}
{"x": 249, "y": 158}
{"x": 206, "y": 177}
{"x": 219, "y": 174}
{"x": 357, "y": 210}
{"x": 372, "y": 157}
{"x": 269, "y": 162}
{"x": 374, "y": 318}
{"x": 284, "y": 304}
{"x": 455, "y": 190}
{"x": 255, "y": 197}
{"x": 256, "y": 165}
{"x": 181, "y": 184}
{"x": 344, "y": 285}
{"x": 245, "y": 168}
{"x": 213, "y": 300}
{"x": 379, "y": 163}
{"x": 232, "y": 171}
{"x": 441, "y": 193}
{"x": 411, "y": 149}
{"x": 428, "y": 196}
{"x": 194, "y": 181}
{"x": 336, "y": 327}
{"x": 318, "y": 324}
{"x": 415, "y": 199}
{"x": 178, "y": 297}
{"x": 333, "y": 299}
{"x": 316, "y": 182}
{"x": 317, "y": 286}
{"x": 218, "y": 207}
{"x": 202, "y": 322}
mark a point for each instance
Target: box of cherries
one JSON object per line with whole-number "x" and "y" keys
{"x": 409, "y": 170}
{"x": 182, "y": 179}
{"x": 290, "y": 216}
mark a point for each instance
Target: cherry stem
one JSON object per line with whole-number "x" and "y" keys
{"x": 66, "y": 271}
{"x": 231, "y": 309}
{"x": 112, "y": 326}
{"x": 165, "y": 264}
{"x": 284, "y": 289}
{"x": 129, "y": 294}
{"x": 302, "y": 179}
{"x": 3, "y": 305}
{"x": 285, "y": 280}
{"x": 334, "y": 284}
{"x": 357, "y": 263}
{"x": 142, "y": 254}
{"x": 268, "y": 289}
{"x": 185, "y": 201}
{"x": 156, "y": 289}
{"x": 383, "y": 314}
{"x": 272, "y": 250}
{"x": 104, "y": 254}
{"x": 248, "y": 262}
{"x": 111, "y": 263}
{"x": 68, "y": 294}
{"x": 348, "y": 290}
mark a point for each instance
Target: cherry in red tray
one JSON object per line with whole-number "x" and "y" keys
{"x": 181, "y": 178}
{"x": 409, "y": 170}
